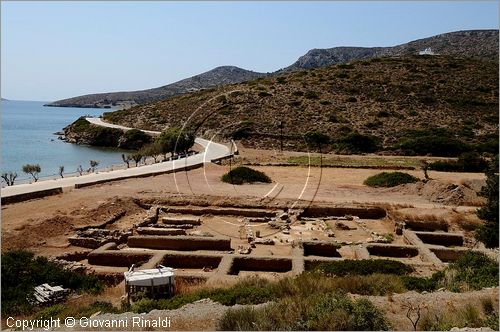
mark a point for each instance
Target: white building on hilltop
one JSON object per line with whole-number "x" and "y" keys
{"x": 427, "y": 51}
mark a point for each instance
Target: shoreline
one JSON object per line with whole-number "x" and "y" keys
{"x": 212, "y": 152}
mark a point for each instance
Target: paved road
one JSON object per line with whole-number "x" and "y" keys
{"x": 212, "y": 151}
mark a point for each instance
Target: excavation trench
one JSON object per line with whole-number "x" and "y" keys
{"x": 324, "y": 249}
{"x": 363, "y": 213}
{"x": 443, "y": 239}
{"x": 389, "y": 250}
{"x": 183, "y": 243}
{"x": 260, "y": 265}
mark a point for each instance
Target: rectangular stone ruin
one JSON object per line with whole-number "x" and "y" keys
{"x": 328, "y": 211}
{"x": 93, "y": 238}
{"x": 321, "y": 248}
{"x": 260, "y": 264}
{"x": 426, "y": 226}
{"x": 213, "y": 210}
{"x": 186, "y": 243}
{"x": 160, "y": 231}
{"x": 441, "y": 238}
{"x": 118, "y": 258}
{"x": 448, "y": 255}
{"x": 181, "y": 221}
{"x": 391, "y": 250}
{"x": 187, "y": 261}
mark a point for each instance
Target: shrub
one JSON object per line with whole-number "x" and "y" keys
{"x": 386, "y": 179}
{"x": 433, "y": 145}
{"x": 316, "y": 139}
{"x": 467, "y": 162}
{"x": 21, "y": 271}
{"x": 244, "y": 174}
{"x": 134, "y": 139}
{"x": 264, "y": 94}
{"x": 473, "y": 270}
{"x": 358, "y": 143}
{"x": 364, "y": 267}
{"x": 311, "y": 95}
{"x": 320, "y": 312}
{"x": 488, "y": 232}
{"x": 383, "y": 114}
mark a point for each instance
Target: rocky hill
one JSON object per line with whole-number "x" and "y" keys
{"x": 215, "y": 77}
{"x": 472, "y": 43}
{"x": 434, "y": 102}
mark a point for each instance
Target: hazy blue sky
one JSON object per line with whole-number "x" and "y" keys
{"x": 55, "y": 50}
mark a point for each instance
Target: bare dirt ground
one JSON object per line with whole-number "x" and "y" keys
{"x": 43, "y": 225}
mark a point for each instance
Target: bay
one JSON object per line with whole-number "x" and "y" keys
{"x": 27, "y": 135}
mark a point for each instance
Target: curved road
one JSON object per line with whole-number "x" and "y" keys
{"x": 212, "y": 151}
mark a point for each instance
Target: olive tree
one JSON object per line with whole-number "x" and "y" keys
{"x": 93, "y": 165}
{"x": 9, "y": 178}
{"x": 33, "y": 170}
{"x": 126, "y": 159}
{"x": 174, "y": 140}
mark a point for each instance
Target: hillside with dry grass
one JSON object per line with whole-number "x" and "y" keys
{"x": 378, "y": 103}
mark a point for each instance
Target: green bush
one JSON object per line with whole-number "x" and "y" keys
{"x": 473, "y": 270}
{"x": 467, "y": 162}
{"x": 134, "y": 139}
{"x": 364, "y": 267}
{"x": 244, "y": 174}
{"x": 22, "y": 271}
{"x": 440, "y": 146}
{"x": 355, "y": 142}
{"x": 488, "y": 232}
{"x": 386, "y": 179}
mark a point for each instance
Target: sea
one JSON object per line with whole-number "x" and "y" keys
{"x": 28, "y": 137}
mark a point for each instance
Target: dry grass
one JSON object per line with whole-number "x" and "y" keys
{"x": 398, "y": 215}
{"x": 466, "y": 222}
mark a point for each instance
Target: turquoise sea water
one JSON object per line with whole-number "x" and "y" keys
{"x": 28, "y": 137}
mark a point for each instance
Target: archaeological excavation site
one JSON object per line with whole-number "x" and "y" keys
{"x": 212, "y": 243}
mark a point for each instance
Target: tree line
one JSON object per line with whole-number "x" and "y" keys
{"x": 171, "y": 141}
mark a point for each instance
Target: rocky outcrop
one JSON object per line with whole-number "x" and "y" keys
{"x": 83, "y": 132}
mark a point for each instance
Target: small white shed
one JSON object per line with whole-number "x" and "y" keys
{"x": 159, "y": 282}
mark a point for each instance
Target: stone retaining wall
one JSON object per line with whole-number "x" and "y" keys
{"x": 32, "y": 195}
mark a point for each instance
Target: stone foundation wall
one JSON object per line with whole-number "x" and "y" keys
{"x": 179, "y": 242}
{"x": 363, "y": 213}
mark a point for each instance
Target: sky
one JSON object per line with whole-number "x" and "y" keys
{"x": 56, "y": 50}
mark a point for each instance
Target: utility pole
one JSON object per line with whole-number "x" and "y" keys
{"x": 280, "y": 126}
